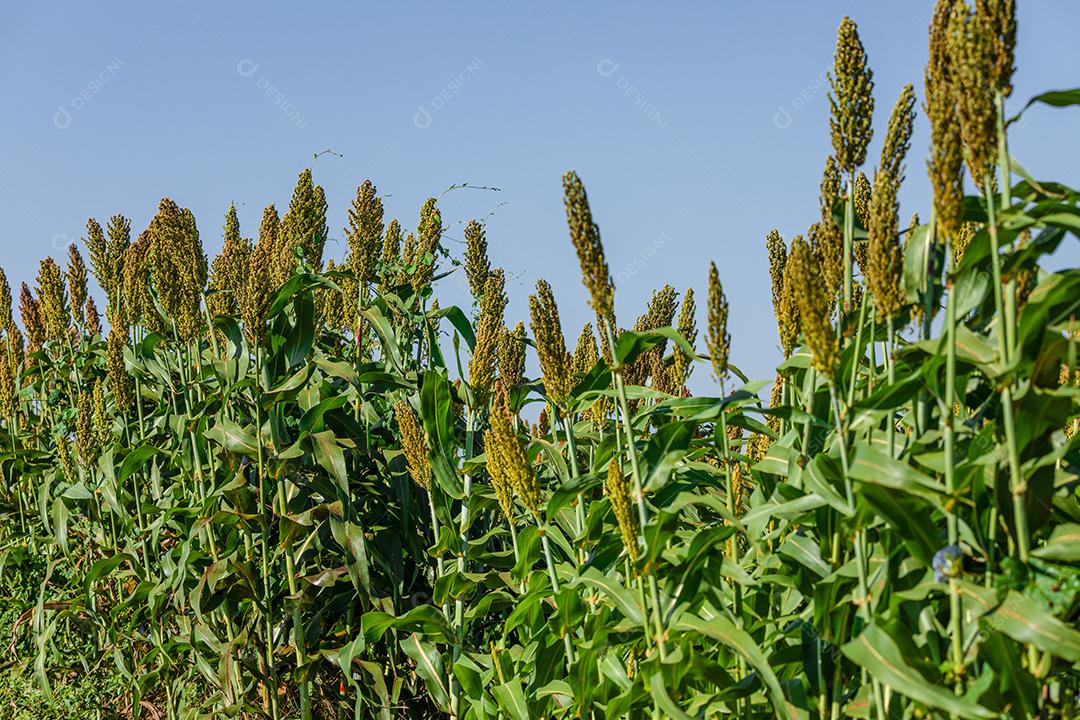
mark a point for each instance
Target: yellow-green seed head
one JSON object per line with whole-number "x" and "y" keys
{"x": 585, "y": 236}
{"x": 428, "y": 236}
{"x": 303, "y": 226}
{"x": 178, "y": 266}
{"x": 682, "y": 363}
{"x": 119, "y": 233}
{"x": 228, "y": 273}
{"x": 827, "y": 243}
{"x": 555, "y": 361}
{"x": 831, "y": 185}
{"x": 718, "y": 339}
{"x": 512, "y": 355}
{"x": 92, "y": 318}
{"x": 488, "y": 324}
{"x": 898, "y": 136}
{"x": 885, "y": 267}
{"x": 862, "y": 212}
{"x": 365, "y": 232}
{"x": 813, "y": 305}
{"x": 120, "y": 382}
{"x": 53, "y": 298}
{"x": 260, "y": 287}
{"x": 413, "y": 444}
{"x": 997, "y": 20}
{"x": 102, "y": 422}
{"x": 506, "y": 457}
{"x": 30, "y": 313}
{"x": 477, "y": 265}
{"x": 851, "y": 101}
{"x": 5, "y": 301}
{"x": 946, "y": 163}
{"x": 618, "y": 492}
{"x": 8, "y": 387}
{"x": 972, "y": 83}
{"x": 76, "y": 283}
{"x": 391, "y": 249}
{"x": 85, "y": 440}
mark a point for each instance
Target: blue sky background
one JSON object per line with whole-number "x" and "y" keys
{"x": 696, "y": 126}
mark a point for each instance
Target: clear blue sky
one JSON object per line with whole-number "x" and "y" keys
{"x": 696, "y": 127}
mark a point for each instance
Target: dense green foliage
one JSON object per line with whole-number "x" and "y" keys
{"x": 276, "y": 489}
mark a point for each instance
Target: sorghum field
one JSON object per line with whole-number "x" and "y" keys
{"x": 275, "y": 484}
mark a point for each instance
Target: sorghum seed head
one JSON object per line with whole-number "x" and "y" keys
{"x": 586, "y": 353}
{"x": 76, "y": 283}
{"x": 774, "y": 245}
{"x": 886, "y": 258}
{"x": 827, "y": 243}
{"x": 477, "y": 265}
{"x": 413, "y": 444}
{"x": 973, "y": 91}
{"x": 997, "y": 19}
{"x": 488, "y": 324}
{"x": 332, "y": 304}
{"x": 555, "y": 362}
{"x": 119, "y": 232}
{"x": 8, "y": 389}
{"x": 53, "y": 298}
{"x": 585, "y": 236}
{"x": 851, "y": 101}
{"x": 92, "y": 318}
{"x": 85, "y": 442}
{"x": 618, "y": 492}
{"x": 500, "y": 483}
{"x": 506, "y": 457}
{"x": 512, "y": 355}
{"x": 830, "y": 189}
{"x": 259, "y": 288}
{"x": 789, "y": 324}
{"x": 682, "y": 363}
{"x": 863, "y": 192}
{"x": 543, "y": 422}
{"x": 718, "y": 338}
{"x": 303, "y": 226}
{"x": 178, "y": 265}
{"x": 120, "y": 383}
{"x": 391, "y": 249}
{"x": 102, "y": 431}
{"x": 5, "y": 301}
{"x": 365, "y": 232}
{"x": 898, "y": 136}
{"x": 813, "y": 306}
{"x": 659, "y": 313}
{"x": 429, "y": 234}
{"x": 229, "y": 271}
{"x": 946, "y": 163}
{"x": 30, "y": 312}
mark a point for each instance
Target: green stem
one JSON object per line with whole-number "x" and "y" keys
{"x": 639, "y": 493}
{"x": 950, "y": 483}
{"x": 1017, "y": 485}
{"x": 849, "y": 239}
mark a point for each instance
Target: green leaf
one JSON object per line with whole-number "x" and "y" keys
{"x": 623, "y": 600}
{"x": 429, "y": 667}
{"x": 1063, "y": 544}
{"x": 511, "y": 698}
{"x": 876, "y": 651}
{"x": 1023, "y": 620}
{"x": 723, "y": 630}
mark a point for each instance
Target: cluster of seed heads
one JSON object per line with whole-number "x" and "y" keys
{"x": 717, "y": 338}
{"x": 585, "y": 236}
{"x": 813, "y": 307}
{"x": 477, "y": 265}
{"x": 618, "y": 492}
{"x": 413, "y": 444}
{"x": 489, "y": 323}
{"x": 511, "y": 352}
